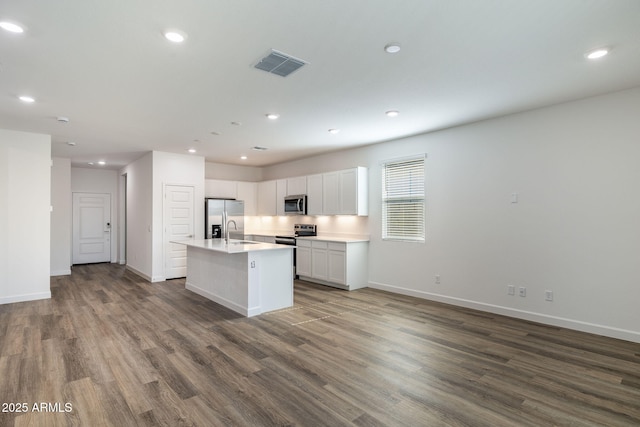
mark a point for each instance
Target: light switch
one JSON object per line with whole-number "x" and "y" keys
{"x": 514, "y": 197}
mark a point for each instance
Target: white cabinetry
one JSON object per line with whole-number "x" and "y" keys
{"x": 303, "y": 258}
{"x": 267, "y": 198}
{"x": 342, "y": 192}
{"x": 281, "y": 192}
{"x": 331, "y": 193}
{"x": 220, "y": 189}
{"x": 319, "y": 260}
{"x": 247, "y": 191}
{"x": 353, "y": 192}
{"x": 296, "y": 186}
{"x": 339, "y": 264}
{"x": 314, "y": 195}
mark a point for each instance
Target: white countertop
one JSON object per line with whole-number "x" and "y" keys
{"x": 234, "y": 246}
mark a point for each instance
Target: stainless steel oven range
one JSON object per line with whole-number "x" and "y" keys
{"x": 298, "y": 230}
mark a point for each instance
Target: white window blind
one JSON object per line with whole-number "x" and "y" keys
{"x": 403, "y": 199}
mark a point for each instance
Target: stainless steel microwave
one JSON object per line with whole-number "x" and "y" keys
{"x": 295, "y": 205}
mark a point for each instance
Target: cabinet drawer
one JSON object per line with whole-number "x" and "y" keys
{"x": 319, "y": 245}
{"x": 342, "y": 247}
{"x": 303, "y": 243}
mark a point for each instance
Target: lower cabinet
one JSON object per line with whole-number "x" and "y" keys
{"x": 339, "y": 264}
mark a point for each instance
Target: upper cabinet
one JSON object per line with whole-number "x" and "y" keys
{"x": 281, "y": 193}
{"x": 248, "y": 191}
{"x": 342, "y": 192}
{"x": 314, "y": 195}
{"x": 354, "y": 192}
{"x": 331, "y": 193}
{"x": 220, "y": 189}
{"x": 296, "y": 186}
{"x": 267, "y": 198}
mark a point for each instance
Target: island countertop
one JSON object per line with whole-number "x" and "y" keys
{"x": 233, "y": 247}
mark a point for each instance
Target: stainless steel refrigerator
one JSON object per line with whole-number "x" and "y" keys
{"x": 218, "y": 213}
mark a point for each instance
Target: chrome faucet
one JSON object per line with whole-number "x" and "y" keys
{"x": 226, "y": 237}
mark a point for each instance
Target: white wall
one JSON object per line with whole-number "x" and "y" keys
{"x": 60, "y": 217}
{"x": 104, "y": 181}
{"x": 174, "y": 169}
{"x": 139, "y": 178}
{"x": 575, "y": 230}
{"x": 25, "y": 223}
{"x": 232, "y": 172}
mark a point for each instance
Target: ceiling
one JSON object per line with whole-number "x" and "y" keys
{"x": 126, "y": 90}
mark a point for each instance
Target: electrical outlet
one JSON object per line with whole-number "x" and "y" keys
{"x": 437, "y": 279}
{"x": 523, "y": 291}
{"x": 511, "y": 290}
{"x": 548, "y": 295}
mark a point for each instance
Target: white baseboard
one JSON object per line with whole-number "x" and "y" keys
{"x": 138, "y": 272}
{"x": 60, "y": 273}
{"x": 26, "y": 297}
{"x": 223, "y": 301}
{"x": 578, "y": 325}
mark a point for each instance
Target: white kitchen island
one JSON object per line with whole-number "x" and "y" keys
{"x": 248, "y": 277}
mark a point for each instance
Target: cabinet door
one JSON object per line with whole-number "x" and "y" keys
{"x": 296, "y": 186}
{"x": 319, "y": 263}
{"x": 331, "y": 193}
{"x": 349, "y": 192}
{"x": 303, "y": 261}
{"x": 267, "y": 198}
{"x": 314, "y": 195}
{"x": 220, "y": 189}
{"x": 354, "y": 192}
{"x": 247, "y": 191}
{"x": 337, "y": 268}
{"x": 281, "y": 192}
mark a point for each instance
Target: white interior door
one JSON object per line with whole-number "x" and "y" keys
{"x": 91, "y": 228}
{"x": 178, "y": 225}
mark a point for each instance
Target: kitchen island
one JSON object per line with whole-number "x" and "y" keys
{"x": 247, "y": 277}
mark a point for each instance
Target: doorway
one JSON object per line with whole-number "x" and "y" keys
{"x": 91, "y": 228}
{"x": 178, "y": 225}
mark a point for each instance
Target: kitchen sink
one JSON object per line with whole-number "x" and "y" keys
{"x": 242, "y": 242}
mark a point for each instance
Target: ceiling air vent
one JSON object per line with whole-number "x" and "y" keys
{"x": 279, "y": 63}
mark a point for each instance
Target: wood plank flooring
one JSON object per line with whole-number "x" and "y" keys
{"x": 123, "y": 352}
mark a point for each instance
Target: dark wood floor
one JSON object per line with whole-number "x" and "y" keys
{"x": 122, "y": 351}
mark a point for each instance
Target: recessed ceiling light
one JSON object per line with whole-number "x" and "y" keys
{"x": 216, "y": 133}
{"x": 236, "y": 123}
{"x": 392, "y": 113}
{"x": 71, "y": 144}
{"x": 597, "y": 53}
{"x": 243, "y": 157}
{"x": 272, "y": 116}
{"x": 334, "y": 131}
{"x": 191, "y": 150}
{"x": 102, "y": 163}
{"x": 11, "y": 27}
{"x": 175, "y": 36}
{"x": 25, "y": 98}
{"x": 392, "y": 48}
{"x": 62, "y": 119}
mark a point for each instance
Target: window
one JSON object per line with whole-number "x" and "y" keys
{"x": 403, "y": 199}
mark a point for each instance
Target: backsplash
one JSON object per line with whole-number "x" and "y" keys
{"x": 327, "y": 225}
